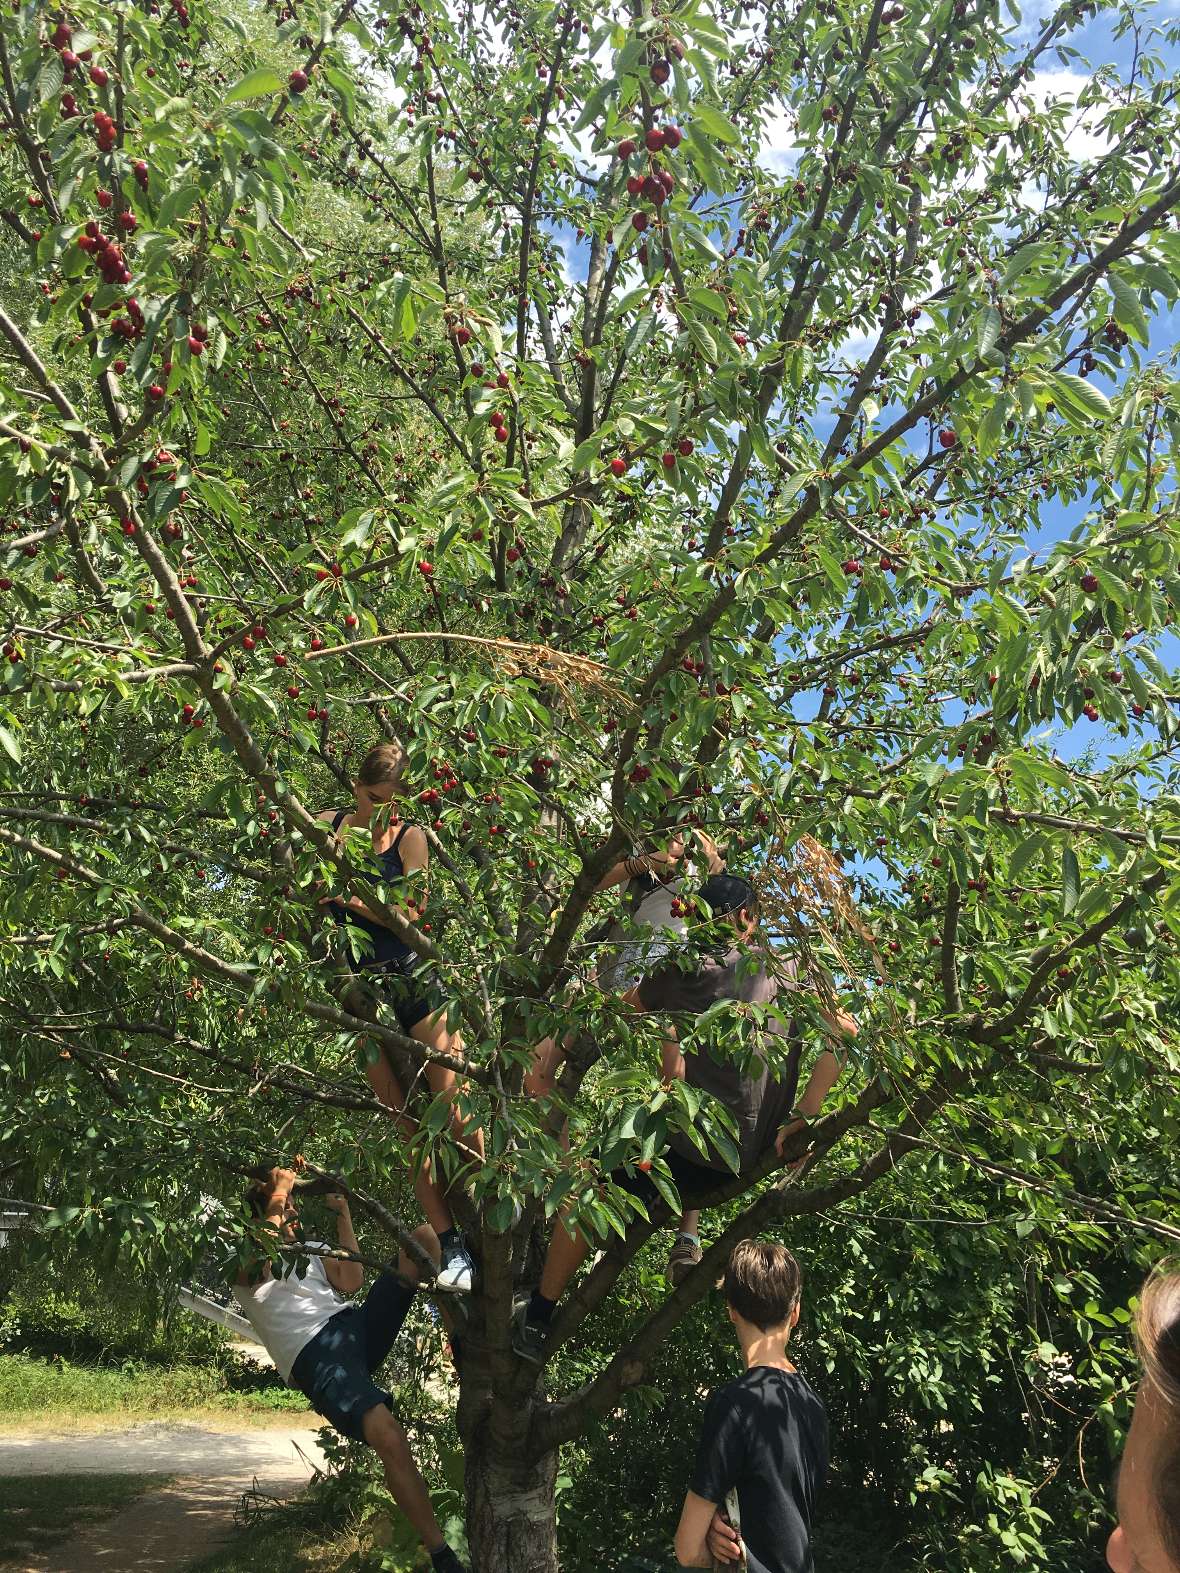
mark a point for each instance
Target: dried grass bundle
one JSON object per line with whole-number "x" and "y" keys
{"x": 807, "y": 901}
{"x": 564, "y": 671}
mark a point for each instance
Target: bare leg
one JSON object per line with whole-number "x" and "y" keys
{"x": 547, "y": 1062}
{"x": 402, "y": 1475}
{"x": 548, "y": 1058}
{"x": 567, "y": 1252}
{"x": 431, "y": 1197}
{"x": 432, "y": 1032}
{"x": 690, "y": 1221}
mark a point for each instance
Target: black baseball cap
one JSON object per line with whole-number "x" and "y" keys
{"x": 724, "y": 894}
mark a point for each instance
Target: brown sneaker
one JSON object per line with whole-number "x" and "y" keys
{"x": 682, "y": 1258}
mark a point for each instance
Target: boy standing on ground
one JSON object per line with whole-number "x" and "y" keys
{"x": 764, "y": 1441}
{"x": 330, "y": 1349}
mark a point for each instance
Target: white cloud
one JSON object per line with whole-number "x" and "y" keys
{"x": 1084, "y": 138}
{"x": 779, "y": 152}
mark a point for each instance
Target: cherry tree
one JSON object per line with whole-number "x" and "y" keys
{"x": 748, "y": 417}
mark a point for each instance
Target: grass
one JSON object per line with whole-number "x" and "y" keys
{"x": 37, "y": 1512}
{"x": 279, "y": 1548}
{"x": 267, "y": 1548}
{"x": 45, "y": 1391}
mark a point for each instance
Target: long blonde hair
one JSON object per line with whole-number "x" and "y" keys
{"x": 1157, "y": 1334}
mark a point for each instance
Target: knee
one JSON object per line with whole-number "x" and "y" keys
{"x": 539, "y": 1084}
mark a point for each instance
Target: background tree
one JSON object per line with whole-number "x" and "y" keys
{"x": 476, "y": 377}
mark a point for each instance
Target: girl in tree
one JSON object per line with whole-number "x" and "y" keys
{"x": 402, "y": 857}
{"x": 1147, "y": 1538}
{"x": 656, "y": 885}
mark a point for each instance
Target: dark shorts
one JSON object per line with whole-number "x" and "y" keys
{"x": 413, "y": 991}
{"x": 692, "y": 1180}
{"x": 335, "y": 1368}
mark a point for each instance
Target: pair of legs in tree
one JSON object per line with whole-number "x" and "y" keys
{"x": 335, "y": 1371}
{"x": 548, "y": 1057}
{"x": 424, "y": 1020}
{"x": 569, "y": 1248}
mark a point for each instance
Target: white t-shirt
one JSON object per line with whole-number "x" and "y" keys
{"x": 287, "y": 1313}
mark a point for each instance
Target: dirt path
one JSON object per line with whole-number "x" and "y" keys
{"x": 170, "y": 1528}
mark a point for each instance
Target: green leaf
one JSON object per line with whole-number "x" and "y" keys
{"x": 714, "y": 124}
{"x": 1069, "y": 389}
{"x": 987, "y": 330}
{"x": 49, "y": 78}
{"x": 711, "y": 301}
{"x": 1127, "y": 311}
{"x": 256, "y": 84}
{"x": 1071, "y": 881}
{"x": 10, "y": 745}
{"x": 177, "y": 204}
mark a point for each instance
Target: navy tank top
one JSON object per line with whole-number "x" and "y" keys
{"x": 388, "y": 951}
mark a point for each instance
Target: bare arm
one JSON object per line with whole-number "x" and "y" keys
{"x": 825, "y": 1073}
{"x": 648, "y": 863}
{"x": 692, "y": 1546}
{"x": 671, "y": 1058}
{"x": 345, "y": 1277}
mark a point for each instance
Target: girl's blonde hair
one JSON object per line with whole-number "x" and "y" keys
{"x": 1157, "y": 1333}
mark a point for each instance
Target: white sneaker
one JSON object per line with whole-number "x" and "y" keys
{"x": 457, "y": 1271}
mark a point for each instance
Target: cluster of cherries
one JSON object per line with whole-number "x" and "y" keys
{"x": 108, "y": 254}
{"x": 656, "y": 186}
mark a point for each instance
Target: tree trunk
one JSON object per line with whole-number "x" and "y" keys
{"x": 511, "y": 1514}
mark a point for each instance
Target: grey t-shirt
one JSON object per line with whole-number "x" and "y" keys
{"x": 759, "y": 1103}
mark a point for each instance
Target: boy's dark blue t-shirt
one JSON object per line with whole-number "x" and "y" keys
{"x": 765, "y": 1435}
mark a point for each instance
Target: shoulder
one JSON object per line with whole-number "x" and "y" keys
{"x": 412, "y": 843}
{"x": 726, "y": 1399}
{"x": 329, "y": 814}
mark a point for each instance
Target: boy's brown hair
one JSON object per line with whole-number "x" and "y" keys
{"x": 762, "y": 1283}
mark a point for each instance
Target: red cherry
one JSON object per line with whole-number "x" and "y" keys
{"x": 686, "y": 446}
{"x": 426, "y": 569}
{"x": 639, "y": 221}
{"x": 350, "y": 620}
{"x": 297, "y": 81}
{"x": 673, "y": 136}
{"x": 947, "y": 437}
{"x": 668, "y": 460}
{"x": 626, "y": 147}
{"x": 654, "y": 140}
{"x": 618, "y": 466}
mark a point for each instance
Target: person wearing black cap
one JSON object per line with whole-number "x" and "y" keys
{"x": 763, "y": 1104}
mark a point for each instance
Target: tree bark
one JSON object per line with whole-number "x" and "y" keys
{"x": 511, "y": 1513}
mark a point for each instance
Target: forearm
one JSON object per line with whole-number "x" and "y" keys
{"x": 825, "y": 1073}
{"x": 671, "y": 1060}
{"x": 350, "y": 1275}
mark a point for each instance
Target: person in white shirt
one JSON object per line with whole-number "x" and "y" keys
{"x": 329, "y": 1348}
